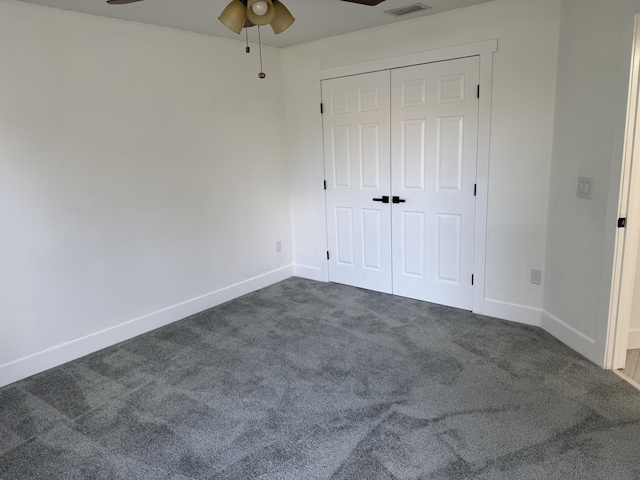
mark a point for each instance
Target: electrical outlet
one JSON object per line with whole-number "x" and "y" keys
{"x": 536, "y": 276}
{"x": 278, "y": 246}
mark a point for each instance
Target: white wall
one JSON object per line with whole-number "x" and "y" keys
{"x": 521, "y": 136}
{"x": 588, "y": 74}
{"x": 140, "y": 168}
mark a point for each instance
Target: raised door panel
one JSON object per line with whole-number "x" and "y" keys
{"x": 370, "y": 156}
{"x": 371, "y": 236}
{"x": 449, "y": 237}
{"x": 341, "y": 155}
{"x": 412, "y": 154}
{"x": 344, "y": 236}
{"x": 413, "y": 244}
{"x": 449, "y": 153}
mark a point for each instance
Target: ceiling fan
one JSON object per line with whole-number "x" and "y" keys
{"x": 243, "y": 14}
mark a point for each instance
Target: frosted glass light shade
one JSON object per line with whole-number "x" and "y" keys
{"x": 283, "y": 18}
{"x": 264, "y": 19}
{"x": 260, "y": 8}
{"x": 234, "y": 16}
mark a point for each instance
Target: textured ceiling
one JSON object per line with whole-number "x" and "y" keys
{"x": 315, "y": 19}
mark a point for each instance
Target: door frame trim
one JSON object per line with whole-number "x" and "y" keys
{"x": 484, "y": 50}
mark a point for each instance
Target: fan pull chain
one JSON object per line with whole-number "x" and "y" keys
{"x": 246, "y": 32}
{"x": 261, "y": 74}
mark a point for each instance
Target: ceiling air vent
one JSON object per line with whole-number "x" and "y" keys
{"x": 399, "y": 12}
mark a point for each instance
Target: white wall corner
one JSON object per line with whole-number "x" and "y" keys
{"x": 60, "y": 354}
{"x": 511, "y": 312}
{"x": 571, "y": 337}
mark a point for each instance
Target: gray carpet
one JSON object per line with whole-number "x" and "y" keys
{"x": 306, "y": 380}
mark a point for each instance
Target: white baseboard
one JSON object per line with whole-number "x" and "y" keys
{"x": 511, "y": 312}
{"x": 568, "y": 335}
{"x": 52, "y": 357}
{"x": 634, "y": 339}
{"x": 311, "y": 273}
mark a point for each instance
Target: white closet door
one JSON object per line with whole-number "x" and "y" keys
{"x": 434, "y": 149}
{"x": 357, "y": 168}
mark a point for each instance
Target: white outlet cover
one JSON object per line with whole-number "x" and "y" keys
{"x": 536, "y": 276}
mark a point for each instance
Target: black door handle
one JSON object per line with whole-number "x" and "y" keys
{"x": 384, "y": 199}
{"x": 397, "y": 199}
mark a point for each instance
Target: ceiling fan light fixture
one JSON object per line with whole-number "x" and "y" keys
{"x": 265, "y": 17}
{"x": 282, "y": 19}
{"x": 234, "y": 16}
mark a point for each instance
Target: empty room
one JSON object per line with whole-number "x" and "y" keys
{"x": 319, "y": 239}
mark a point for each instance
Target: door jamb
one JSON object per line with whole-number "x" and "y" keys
{"x": 485, "y": 50}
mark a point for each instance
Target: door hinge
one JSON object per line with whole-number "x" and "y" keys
{"x": 472, "y": 279}
{"x": 327, "y": 254}
{"x": 622, "y": 222}
{"x": 478, "y": 91}
{"x": 475, "y": 189}
{"x": 321, "y": 109}
{"x": 325, "y": 184}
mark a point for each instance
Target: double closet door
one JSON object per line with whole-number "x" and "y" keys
{"x": 400, "y": 150}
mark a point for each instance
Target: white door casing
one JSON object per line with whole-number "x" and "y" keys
{"x": 434, "y": 153}
{"x": 357, "y": 155}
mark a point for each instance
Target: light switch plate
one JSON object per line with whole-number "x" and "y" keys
{"x": 585, "y": 187}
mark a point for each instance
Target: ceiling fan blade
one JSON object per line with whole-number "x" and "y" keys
{"x": 371, "y": 3}
{"x": 121, "y": 2}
